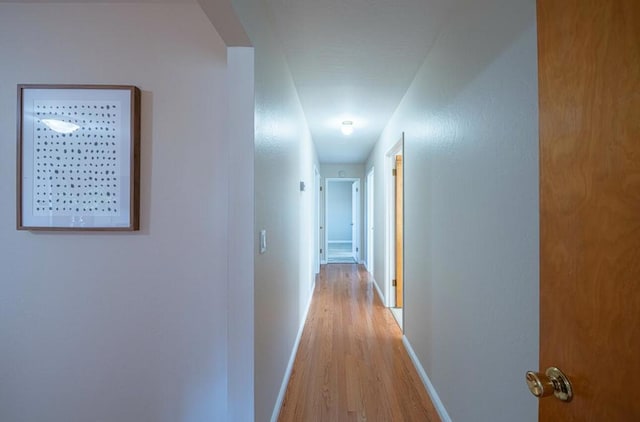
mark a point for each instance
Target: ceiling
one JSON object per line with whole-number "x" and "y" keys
{"x": 354, "y": 60}
{"x": 350, "y": 60}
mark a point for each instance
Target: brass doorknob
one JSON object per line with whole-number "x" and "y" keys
{"x": 553, "y": 381}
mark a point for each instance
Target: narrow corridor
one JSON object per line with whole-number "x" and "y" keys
{"x": 351, "y": 364}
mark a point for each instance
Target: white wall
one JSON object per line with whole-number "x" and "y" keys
{"x": 284, "y": 156}
{"x": 121, "y": 326}
{"x": 240, "y": 80}
{"x": 339, "y": 212}
{"x": 471, "y": 216}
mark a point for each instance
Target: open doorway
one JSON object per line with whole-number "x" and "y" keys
{"x": 369, "y": 221}
{"x": 342, "y": 220}
{"x": 394, "y": 247}
{"x": 316, "y": 230}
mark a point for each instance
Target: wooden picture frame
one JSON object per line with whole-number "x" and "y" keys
{"x": 78, "y": 164}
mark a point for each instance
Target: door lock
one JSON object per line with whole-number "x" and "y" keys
{"x": 553, "y": 381}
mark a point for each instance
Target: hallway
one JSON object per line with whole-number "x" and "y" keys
{"x": 351, "y": 364}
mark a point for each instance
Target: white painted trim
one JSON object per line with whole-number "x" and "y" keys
{"x": 339, "y": 241}
{"x": 437, "y": 403}
{"x": 316, "y": 220}
{"x": 292, "y": 359}
{"x": 369, "y": 219}
{"x": 390, "y": 210}
{"x": 356, "y": 232}
{"x": 323, "y": 262}
{"x": 327, "y": 182}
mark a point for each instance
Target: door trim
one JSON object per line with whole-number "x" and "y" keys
{"x": 327, "y": 182}
{"x": 369, "y": 220}
{"x": 389, "y": 244}
{"x": 316, "y": 231}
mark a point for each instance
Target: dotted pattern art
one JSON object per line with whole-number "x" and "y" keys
{"x": 76, "y": 158}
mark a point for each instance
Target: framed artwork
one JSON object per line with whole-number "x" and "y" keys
{"x": 78, "y": 157}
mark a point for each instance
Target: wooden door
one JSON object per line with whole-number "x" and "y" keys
{"x": 399, "y": 231}
{"x": 589, "y": 88}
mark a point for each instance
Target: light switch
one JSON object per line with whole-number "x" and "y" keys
{"x": 263, "y": 241}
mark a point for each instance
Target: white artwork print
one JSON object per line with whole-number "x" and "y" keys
{"x": 77, "y": 158}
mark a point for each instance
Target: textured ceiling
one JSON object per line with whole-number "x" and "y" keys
{"x": 354, "y": 60}
{"x": 350, "y": 60}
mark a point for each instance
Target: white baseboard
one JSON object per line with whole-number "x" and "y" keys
{"x": 435, "y": 399}
{"x": 380, "y": 295}
{"x": 292, "y": 358}
{"x": 323, "y": 262}
{"x": 339, "y": 241}
{"x": 375, "y": 284}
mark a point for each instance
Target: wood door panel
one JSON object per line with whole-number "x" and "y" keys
{"x": 589, "y": 87}
{"x": 399, "y": 232}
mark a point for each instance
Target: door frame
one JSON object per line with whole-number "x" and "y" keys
{"x": 390, "y": 214}
{"x": 369, "y": 219}
{"x": 316, "y": 230}
{"x": 355, "y": 221}
{"x": 327, "y": 183}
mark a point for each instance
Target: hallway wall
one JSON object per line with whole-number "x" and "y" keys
{"x": 284, "y": 156}
{"x": 471, "y": 216}
{"x": 121, "y": 327}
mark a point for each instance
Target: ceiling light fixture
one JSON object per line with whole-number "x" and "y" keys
{"x": 347, "y": 127}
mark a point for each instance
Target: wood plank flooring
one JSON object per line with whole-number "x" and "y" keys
{"x": 351, "y": 364}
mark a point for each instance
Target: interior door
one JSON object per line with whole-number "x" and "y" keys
{"x": 399, "y": 231}
{"x": 370, "y": 218}
{"x": 355, "y": 248}
{"x": 316, "y": 230}
{"x": 589, "y": 88}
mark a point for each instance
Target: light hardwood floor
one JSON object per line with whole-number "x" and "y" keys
{"x": 351, "y": 364}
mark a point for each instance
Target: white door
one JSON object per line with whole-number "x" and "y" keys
{"x": 370, "y": 221}
{"x": 316, "y": 230}
{"x": 355, "y": 196}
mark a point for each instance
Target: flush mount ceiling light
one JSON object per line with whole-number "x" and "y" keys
{"x": 347, "y": 127}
